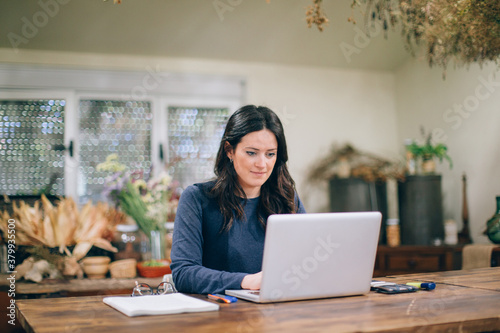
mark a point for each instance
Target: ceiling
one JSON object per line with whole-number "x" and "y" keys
{"x": 241, "y": 30}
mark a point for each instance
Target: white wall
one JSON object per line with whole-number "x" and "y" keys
{"x": 465, "y": 108}
{"x": 318, "y": 106}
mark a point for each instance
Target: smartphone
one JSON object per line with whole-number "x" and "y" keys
{"x": 393, "y": 288}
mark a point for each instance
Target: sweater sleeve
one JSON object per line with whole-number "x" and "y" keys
{"x": 300, "y": 206}
{"x": 189, "y": 274}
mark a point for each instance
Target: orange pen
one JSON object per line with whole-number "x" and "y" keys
{"x": 218, "y": 299}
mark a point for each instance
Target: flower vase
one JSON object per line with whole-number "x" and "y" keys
{"x": 157, "y": 241}
{"x": 493, "y": 225}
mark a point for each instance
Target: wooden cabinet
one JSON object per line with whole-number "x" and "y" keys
{"x": 409, "y": 259}
{"x": 416, "y": 259}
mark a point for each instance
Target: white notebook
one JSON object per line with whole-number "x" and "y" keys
{"x": 158, "y": 304}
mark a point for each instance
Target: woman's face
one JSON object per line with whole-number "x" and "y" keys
{"x": 253, "y": 159}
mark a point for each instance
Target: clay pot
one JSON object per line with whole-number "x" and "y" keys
{"x": 96, "y": 267}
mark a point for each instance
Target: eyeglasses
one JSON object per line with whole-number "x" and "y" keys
{"x": 144, "y": 289}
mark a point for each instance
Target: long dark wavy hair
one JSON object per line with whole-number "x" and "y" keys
{"x": 277, "y": 194}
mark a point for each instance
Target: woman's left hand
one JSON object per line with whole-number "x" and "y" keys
{"x": 252, "y": 281}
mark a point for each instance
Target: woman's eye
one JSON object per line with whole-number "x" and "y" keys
{"x": 271, "y": 154}
{"x": 251, "y": 153}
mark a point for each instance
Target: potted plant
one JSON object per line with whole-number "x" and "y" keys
{"x": 428, "y": 152}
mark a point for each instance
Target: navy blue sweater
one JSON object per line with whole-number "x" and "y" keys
{"x": 206, "y": 260}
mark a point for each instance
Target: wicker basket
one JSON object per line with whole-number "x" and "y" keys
{"x": 123, "y": 269}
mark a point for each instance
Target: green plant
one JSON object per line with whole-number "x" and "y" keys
{"x": 428, "y": 150}
{"x": 154, "y": 263}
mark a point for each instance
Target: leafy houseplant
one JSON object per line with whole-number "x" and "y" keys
{"x": 428, "y": 152}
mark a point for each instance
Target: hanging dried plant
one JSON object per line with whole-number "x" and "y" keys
{"x": 316, "y": 15}
{"x": 465, "y": 31}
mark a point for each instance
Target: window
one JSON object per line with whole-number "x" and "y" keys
{"x": 107, "y": 127}
{"x": 193, "y": 141}
{"x": 31, "y": 138}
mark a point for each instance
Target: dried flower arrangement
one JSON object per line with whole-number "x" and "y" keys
{"x": 45, "y": 226}
{"x": 347, "y": 162}
{"x": 150, "y": 203}
{"x": 63, "y": 225}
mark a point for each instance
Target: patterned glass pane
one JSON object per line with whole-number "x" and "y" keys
{"x": 29, "y": 132}
{"x": 107, "y": 127}
{"x": 193, "y": 137}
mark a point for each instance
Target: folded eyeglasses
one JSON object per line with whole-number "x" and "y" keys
{"x": 144, "y": 289}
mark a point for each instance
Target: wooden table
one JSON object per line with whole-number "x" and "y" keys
{"x": 463, "y": 301}
{"x": 62, "y": 288}
{"x": 74, "y": 287}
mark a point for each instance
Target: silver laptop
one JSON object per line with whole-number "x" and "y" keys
{"x": 317, "y": 255}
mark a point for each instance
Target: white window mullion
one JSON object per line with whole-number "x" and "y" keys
{"x": 159, "y": 136}
{"x": 71, "y": 137}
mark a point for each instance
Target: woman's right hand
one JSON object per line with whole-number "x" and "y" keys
{"x": 252, "y": 281}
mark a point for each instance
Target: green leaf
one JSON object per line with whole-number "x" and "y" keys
{"x": 132, "y": 204}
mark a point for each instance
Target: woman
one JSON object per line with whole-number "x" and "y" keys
{"x": 219, "y": 229}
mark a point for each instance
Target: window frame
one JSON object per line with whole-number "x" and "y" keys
{"x": 162, "y": 89}
{"x": 167, "y": 102}
{"x": 70, "y": 172}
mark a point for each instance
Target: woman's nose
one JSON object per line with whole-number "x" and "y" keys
{"x": 260, "y": 162}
